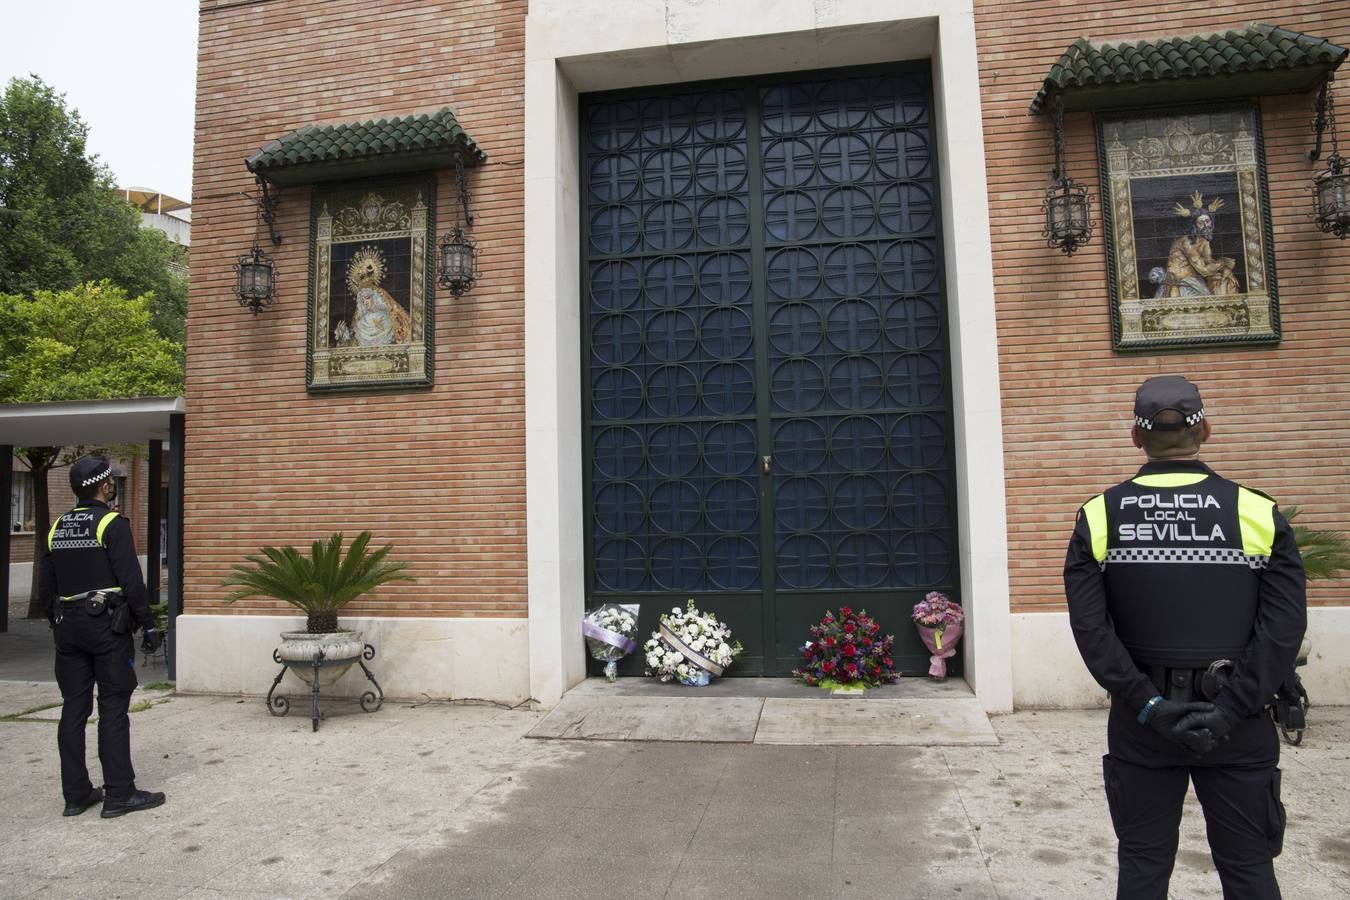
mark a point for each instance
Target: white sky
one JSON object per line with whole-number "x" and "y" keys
{"x": 129, "y": 67}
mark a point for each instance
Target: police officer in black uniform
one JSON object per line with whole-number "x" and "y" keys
{"x": 1186, "y": 598}
{"x": 93, "y": 593}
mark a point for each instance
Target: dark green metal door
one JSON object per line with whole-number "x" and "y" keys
{"x": 768, "y": 423}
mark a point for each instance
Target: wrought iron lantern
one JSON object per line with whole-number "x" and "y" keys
{"x": 1331, "y": 188}
{"x": 1068, "y": 208}
{"x": 255, "y": 279}
{"x": 255, "y": 274}
{"x": 457, "y": 266}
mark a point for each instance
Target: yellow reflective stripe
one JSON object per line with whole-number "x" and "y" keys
{"x": 103, "y": 524}
{"x": 1256, "y": 519}
{"x": 1171, "y": 479}
{"x": 1095, "y": 510}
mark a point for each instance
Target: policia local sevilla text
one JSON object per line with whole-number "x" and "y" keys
{"x": 1164, "y": 517}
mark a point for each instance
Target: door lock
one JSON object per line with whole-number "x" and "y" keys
{"x": 765, "y": 464}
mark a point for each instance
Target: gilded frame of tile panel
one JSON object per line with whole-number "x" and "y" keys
{"x": 1166, "y": 174}
{"x": 371, "y": 319}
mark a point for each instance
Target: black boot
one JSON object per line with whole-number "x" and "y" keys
{"x": 133, "y": 802}
{"x": 74, "y": 809}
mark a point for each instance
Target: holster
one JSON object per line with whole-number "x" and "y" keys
{"x": 1287, "y": 707}
{"x": 121, "y": 614}
{"x": 1189, "y": 685}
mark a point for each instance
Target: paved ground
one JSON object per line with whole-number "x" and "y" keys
{"x": 440, "y": 800}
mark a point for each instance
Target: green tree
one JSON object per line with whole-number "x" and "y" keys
{"x": 62, "y": 221}
{"x": 91, "y": 342}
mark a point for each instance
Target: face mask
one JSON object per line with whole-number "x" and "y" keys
{"x": 113, "y": 495}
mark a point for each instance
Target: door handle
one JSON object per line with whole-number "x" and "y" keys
{"x": 765, "y": 464}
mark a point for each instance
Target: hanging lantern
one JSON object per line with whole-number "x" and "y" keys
{"x": 1331, "y": 191}
{"x": 1068, "y": 215}
{"x": 1331, "y": 188}
{"x": 255, "y": 274}
{"x": 457, "y": 268}
{"x": 1067, "y": 206}
{"x": 255, "y": 277}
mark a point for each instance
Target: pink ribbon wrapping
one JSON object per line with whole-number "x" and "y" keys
{"x": 941, "y": 643}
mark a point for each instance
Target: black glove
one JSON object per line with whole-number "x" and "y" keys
{"x": 148, "y": 640}
{"x": 1166, "y": 714}
{"x": 1203, "y": 730}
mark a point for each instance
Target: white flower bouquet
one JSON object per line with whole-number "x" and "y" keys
{"x": 610, "y": 631}
{"x": 690, "y": 647}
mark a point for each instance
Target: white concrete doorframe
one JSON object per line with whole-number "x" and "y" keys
{"x": 654, "y": 42}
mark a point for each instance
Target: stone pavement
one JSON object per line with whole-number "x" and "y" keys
{"x": 443, "y": 800}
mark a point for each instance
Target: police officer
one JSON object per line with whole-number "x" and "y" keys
{"x": 1186, "y": 598}
{"x": 92, "y": 592}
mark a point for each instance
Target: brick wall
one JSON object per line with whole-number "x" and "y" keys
{"x": 439, "y": 472}
{"x": 1278, "y": 413}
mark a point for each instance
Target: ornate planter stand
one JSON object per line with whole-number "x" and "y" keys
{"x": 310, "y": 666}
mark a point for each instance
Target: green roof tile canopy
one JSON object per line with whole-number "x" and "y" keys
{"x": 413, "y": 143}
{"x": 1260, "y": 59}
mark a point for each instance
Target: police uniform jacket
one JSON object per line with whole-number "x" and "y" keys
{"x": 91, "y": 548}
{"x": 1178, "y": 567}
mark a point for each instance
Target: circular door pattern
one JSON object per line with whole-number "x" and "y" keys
{"x": 766, "y": 370}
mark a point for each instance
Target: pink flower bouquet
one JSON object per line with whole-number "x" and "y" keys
{"x": 939, "y": 622}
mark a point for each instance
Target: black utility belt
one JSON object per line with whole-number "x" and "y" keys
{"x": 95, "y": 604}
{"x": 1187, "y": 685}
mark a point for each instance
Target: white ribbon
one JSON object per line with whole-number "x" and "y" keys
{"x": 693, "y": 656}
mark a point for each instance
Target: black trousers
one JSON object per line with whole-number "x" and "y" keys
{"x": 1238, "y": 786}
{"x": 88, "y": 653}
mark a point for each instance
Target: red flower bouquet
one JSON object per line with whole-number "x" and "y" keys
{"x": 847, "y": 650}
{"x": 940, "y": 622}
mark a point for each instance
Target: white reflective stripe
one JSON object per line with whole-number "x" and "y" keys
{"x": 75, "y": 545}
{"x": 1212, "y": 555}
{"x": 73, "y": 597}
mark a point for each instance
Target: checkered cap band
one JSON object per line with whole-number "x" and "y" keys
{"x": 99, "y": 475}
{"x": 1191, "y": 421}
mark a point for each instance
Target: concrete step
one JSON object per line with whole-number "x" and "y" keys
{"x": 915, "y": 713}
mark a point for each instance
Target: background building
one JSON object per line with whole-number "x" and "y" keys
{"x": 163, "y": 213}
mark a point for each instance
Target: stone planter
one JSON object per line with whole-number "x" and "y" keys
{"x": 338, "y": 651}
{"x": 320, "y": 660}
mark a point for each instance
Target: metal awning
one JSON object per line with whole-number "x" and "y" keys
{"x": 59, "y": 424}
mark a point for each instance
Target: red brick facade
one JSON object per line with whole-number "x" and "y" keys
{"x": 1278, "y": 412}
{"x": 438, "y": 472}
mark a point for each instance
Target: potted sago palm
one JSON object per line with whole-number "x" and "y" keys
{"x": 319, "y": 584}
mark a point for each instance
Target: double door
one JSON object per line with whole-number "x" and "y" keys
{"x": 767, "y": 400}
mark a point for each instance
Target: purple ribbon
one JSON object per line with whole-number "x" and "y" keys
{"x": 605, "y": 636}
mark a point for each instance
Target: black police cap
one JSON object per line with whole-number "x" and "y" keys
{"x": 88, "y": 471}
{"x": 1165, "y": 392}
